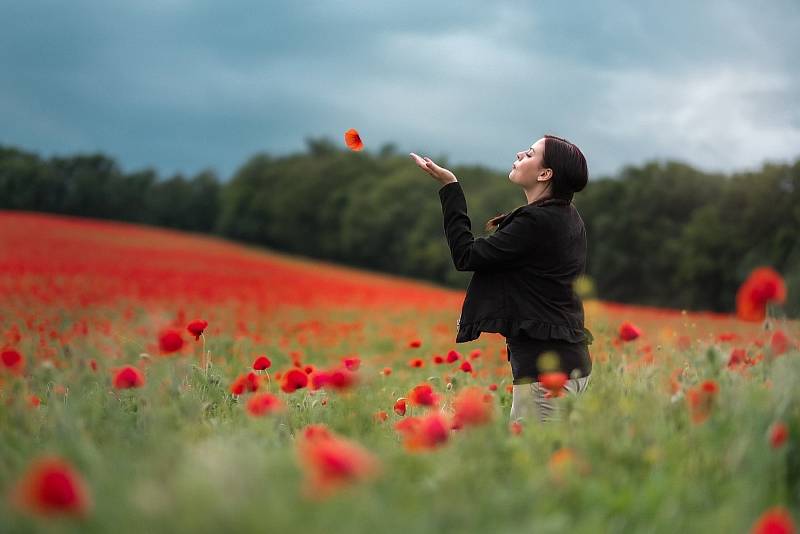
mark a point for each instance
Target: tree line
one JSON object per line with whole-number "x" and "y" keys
{"x": 660, "y": 234}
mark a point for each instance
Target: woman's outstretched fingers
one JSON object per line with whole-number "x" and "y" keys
{"x": 421, "y": 163}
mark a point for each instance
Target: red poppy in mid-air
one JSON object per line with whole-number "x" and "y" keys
{"x": 353, "y": 140}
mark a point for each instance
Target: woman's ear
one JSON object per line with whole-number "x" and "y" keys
{"x": 546, "y": 174}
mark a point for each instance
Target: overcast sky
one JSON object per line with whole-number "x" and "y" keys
{"x": 183, "y": 85}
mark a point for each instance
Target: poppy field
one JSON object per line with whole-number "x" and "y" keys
{"x": 159, "y": 381}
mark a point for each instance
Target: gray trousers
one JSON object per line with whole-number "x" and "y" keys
{"x": 528, "y": 399}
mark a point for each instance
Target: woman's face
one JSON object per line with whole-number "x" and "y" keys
{"x": 529, "y": 166}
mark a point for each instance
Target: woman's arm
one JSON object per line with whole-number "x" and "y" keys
{"x": 511, "y": 242}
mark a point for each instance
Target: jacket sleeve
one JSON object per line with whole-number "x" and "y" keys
{"x": 513, "y": 241}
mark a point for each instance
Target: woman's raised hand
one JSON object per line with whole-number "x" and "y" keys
{"x": 440, "y": 174}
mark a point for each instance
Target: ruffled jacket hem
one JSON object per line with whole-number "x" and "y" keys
{"x": 514, "y": 327}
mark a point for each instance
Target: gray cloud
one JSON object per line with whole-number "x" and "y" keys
{"x": 183, "y": 86}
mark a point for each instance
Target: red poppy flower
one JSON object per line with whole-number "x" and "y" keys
{"x": 775, "y": 520}
{"x": 416, "y": 362}
{"x": 763, "y": 285}
{"x": 264, "y": 404}
{"x": 453, "y": 356}
{"x": 352, "y": 363}
{"x": 438, "y": 359}
{"x": 423, "y": 433}
{"x": 727, "y": 336}
{"x": 516, "y": 428}
{"x": 475, "y": 354}
{"x": 465, "y": 366}
{"x": 778, "y": 434}
{"x": 701, "y": 400}
{"x": 779, "y": 343}
{"x": 196, "y": 328}
{"x": 331, "y": 462}
{"x": 34, "y": 401}
{"x": 293, "y": 380}
{"x": 261, "y": 363}
{"x": 628, "y": 332}
{"x": 12, "y": 361}
{"x": 342, "y": 379}
{"x": 386, "y": 371}
{"x": 423, "y": 395}
{"x": 51, "y": 486}
{"x": 319, "y": 379}
{"x": 492, "y": 387}
{"x": 738, "y": 357}
{"x": 170, "y": 340}
{"x": 472, "y": 407}
{"x": 128, "y": 377}
{"x": 400, "y": 406}
{"x": 353, "y": 140}
{"x": 553, "y": 383}
{"x": 246, "y": 382}
{"x": 414, "y": 343}
{"x": 381, "y": 416}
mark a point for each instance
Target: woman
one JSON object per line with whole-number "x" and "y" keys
{"x": 522, "y": 284}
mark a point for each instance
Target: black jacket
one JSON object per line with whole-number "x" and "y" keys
{"x": 523, "y": 273}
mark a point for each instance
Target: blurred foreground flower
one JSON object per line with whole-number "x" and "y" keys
{"x": 50, "y": 487}
{"x": 472, "y": 407}
{"x": 553, "y": 383}
{"x": 564, "y": 463}
{"x": 775, "y": 520}
{"x": 762, "y": 286}
{"x": 264, "y": 404}
{"x": 778, "y": 434}
{"x": 424, "y": 433}
{"x": 331, "y": 461}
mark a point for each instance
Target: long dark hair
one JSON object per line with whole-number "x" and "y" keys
{"x": 570, "y": 172}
